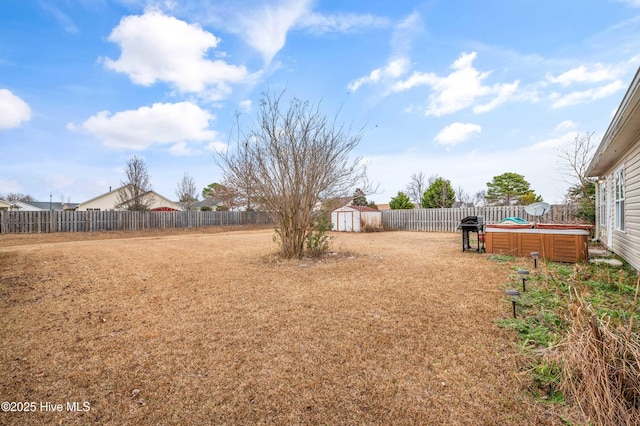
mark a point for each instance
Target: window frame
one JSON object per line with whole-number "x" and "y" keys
{"x": 619, "y": 199}
{"x": 603, "y": 202}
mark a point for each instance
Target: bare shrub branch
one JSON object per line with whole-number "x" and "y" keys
{"x": 291, "y": 159}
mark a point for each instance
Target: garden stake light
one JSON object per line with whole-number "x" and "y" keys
{"x": 535, "y": 256}
{"x": 514, "y": 294}
{"x": 525, "y": 274}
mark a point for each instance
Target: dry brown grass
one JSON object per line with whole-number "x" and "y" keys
{"x": 601, "y": 366}
{"x": 210, "y": 328}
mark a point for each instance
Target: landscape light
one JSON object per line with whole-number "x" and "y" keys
{"x": 535, "y": 256}
{"x": 525, "y": 274}
{"x": 514, "y": 294}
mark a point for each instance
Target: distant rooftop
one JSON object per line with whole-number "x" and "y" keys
{"x": 46, "y": 205}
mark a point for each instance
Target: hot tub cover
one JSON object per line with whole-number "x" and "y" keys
{"x": 514, "y": 219}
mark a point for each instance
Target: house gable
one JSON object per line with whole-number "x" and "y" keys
{"x": 110, "y": 201}
{"x": 4, "y": 205}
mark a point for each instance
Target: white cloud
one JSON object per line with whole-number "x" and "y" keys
{"x": 505, "y": 92}
{"x": 181, "y": 149}
{"x": 265, "y": 24}
{"x": 245, "y": 106}
{"x": 157, "y": 124}
{"x": 7, "y": 185}
{"x": 13, "y": 110}
{"x": 583, "y": 74}
{"x": 404, "y": 33}
{"x": 156, "y": 47}
{"x": 394, "y": 69}
{"x": 630, "y": 3}
{"x": 566, "y": 125}
{"x": 460, "y": 89}
{"x": 585, "y": 96}
{"x": 59, "y": 182}
{"x": 399, "y": 63}
{"x": 457, "y": 132}
{"x": 63, "y": 19}
{"x": 344, "y": 22}
{"x": 554, "y": 143}
{"x": 218, "y": 147}
{"x": 265, "y": 28}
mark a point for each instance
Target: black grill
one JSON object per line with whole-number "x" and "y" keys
{"x": 469, "y": 225}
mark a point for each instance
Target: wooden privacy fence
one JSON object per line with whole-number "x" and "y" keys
{"x": 448, "y": 220}
{"x": 12, "y": 222}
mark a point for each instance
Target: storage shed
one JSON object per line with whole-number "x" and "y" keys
{"x": 355, "y": 219}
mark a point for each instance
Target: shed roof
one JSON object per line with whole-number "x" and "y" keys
{"x": 362, "y": 208}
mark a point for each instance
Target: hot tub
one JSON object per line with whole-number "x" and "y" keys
{"x": 555, "y": 242}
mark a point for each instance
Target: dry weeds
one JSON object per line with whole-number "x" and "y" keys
{"x": 601, "y": 365}
{"x": 208, "y": 328}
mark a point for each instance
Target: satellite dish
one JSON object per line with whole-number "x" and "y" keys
{"x": 537, "y": 209}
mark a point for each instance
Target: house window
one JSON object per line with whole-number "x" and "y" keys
{"x": 619, "y": 208}
{"x": 603, "y": 203}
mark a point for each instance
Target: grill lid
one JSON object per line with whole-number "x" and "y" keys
{"x": 473, "y": 220}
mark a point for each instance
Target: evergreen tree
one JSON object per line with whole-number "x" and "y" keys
{"x": 359, "y": 199}
{"x": 440, "y": 194}
{"x": 400, "y": 202}
{"x": 508, "y": 189}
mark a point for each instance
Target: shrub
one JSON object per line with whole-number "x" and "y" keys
{"x": 317, "y": 239}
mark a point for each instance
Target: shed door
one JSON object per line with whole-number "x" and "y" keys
{"x": 345, "y": 221}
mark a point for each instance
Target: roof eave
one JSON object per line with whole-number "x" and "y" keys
{"x": 622, "y": 131}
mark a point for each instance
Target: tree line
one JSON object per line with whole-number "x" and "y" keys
{"x": 504, "y": 190}
{"x": 293, "y": 159}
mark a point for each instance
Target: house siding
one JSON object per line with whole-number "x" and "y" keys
{"x": 110, "y": 201}
{"x": 620, "y": 147}
{"x": 629, "y": 242}
{"x": 626, "y": 243}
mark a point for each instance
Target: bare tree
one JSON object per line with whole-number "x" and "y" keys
{"x": 187, "y": 193}
{"x": 292, "y": 158}
{"x": 135, "y": 193}
{"x": 462, "y": 196}
{"x": 577, "y": 158}
{"x": 12, "y": 197}
{"x": 240, "y": 186}
{"x": 479, "y": 198}
{"x": 223, "y": 193}
{"x": 416, "y": 187}
{"x": 65, "y": 200}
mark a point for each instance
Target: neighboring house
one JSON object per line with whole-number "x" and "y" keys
{"x": 330, "y": 204}
{"x": 111, "y": 201}
{"x": 616, "y": 164}
{"x": 208, "y": 202}
{"x": 384, "y": 207}
{"x": 47, "y": 205}
{"x": 5, "y": 205}
{"x": 355, "y": 219}
{"x": 25, "y": 207}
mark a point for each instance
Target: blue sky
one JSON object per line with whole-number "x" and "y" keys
{"x": 465, "y": 89}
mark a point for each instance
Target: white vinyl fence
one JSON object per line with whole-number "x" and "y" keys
{"x": 12, "y": 222}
